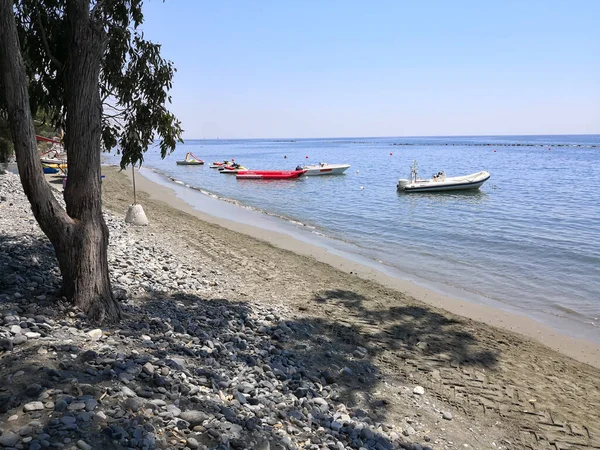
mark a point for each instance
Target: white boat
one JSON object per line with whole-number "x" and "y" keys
{"x": 440, "y": 182}
{"x": 53, "y": 160}
{"x": 190, "y": 160}
{"x": 325, "y": 169}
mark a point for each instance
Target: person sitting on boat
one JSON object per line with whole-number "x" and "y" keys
{"x": 439, "y": 176}
{"x": 299, "y": 167}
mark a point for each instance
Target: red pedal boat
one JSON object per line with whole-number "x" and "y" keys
{"x": 269, "y": 174}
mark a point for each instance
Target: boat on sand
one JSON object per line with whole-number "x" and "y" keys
{"x": 269, "y": 174}
{"x": 441, "y": 183}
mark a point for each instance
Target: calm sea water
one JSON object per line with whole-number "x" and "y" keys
{"x": 530, "y": 238}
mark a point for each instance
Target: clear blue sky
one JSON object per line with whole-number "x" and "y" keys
{"x": 325, "y": 68}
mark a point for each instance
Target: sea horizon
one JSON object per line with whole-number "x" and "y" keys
{"x": 395, "y": 137}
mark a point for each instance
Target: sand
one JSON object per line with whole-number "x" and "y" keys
{"x": 534, "y": 389}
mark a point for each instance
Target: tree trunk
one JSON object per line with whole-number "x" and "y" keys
{"x": 79, "y": 235}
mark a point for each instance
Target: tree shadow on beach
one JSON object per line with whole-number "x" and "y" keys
{"x": 413, "y": 328}
{"x": 205, "y": 352}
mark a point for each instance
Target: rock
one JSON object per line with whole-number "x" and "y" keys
{"x": 19, "y": 339}
{"x": 33, "y": 390}
{"x": 447, "y": 415}
{"x": 9, "y": 439}
{"x": 240, "y": 398}
{"x": 193, "y": 417}
{"x": 360, "y": 352}
{"x": 148, "y": 369}
{"x": 32, "y": 335}
{"x": 83, "y": 445}
{"x": 95, "y": 334}
{"x": 128, "y": 392}
{"x": 33, "y": 406}
{"x": 6, "y": 344}
{"x": 419, "y": 390}
{"x": 68, "y": 420}
{"x": 192, "y": 443}
{"x": 76, "y": 406}
{"x": 134, "y": 404}
{"x": 61, "y": 405}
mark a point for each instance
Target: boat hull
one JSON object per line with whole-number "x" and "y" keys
{"x": 326, "y": 169}
{"x": 233, "y": 171}
{"x": 190, "y": 163}
{"x": 467, "y": 182}
{"x": 269, "y": 174}
{"x": 53, "y": 161}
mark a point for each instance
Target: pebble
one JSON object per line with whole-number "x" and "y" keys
{"x": 33, "y": 406}
{"x": 419, "y": 390}
{"x": 9, "y": 439}
{"x": 192, "y": 443}
{"x": 83, "y": 445}
{"x": 95, "y": 334}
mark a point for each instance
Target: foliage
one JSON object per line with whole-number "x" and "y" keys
{"x": 134, "y": 79}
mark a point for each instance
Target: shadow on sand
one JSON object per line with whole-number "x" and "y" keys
{"x": 203, "y": 350}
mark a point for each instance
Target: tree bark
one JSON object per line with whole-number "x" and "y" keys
{"x": 79, "y": 234}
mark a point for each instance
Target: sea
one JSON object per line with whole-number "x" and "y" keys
{"x": 528, "y": 241}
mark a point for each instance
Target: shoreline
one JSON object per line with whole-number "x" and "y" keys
{"x": 579, "y": 349}
{"x": 409, "y": 371}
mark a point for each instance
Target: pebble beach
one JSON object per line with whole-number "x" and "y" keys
{"x": 231, "y": 342}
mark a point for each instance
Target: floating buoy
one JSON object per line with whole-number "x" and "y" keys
{"x": 357, "y": 171}
{"x": 362, "y": 187}
{"x": 284, "y": 156}
{"x": 494, "y": 151}
{"x": 391, "y": 153}
{"x": 307, "y": 157}
{"x": 233, "y": 159}
{"x": 549, "y": 148}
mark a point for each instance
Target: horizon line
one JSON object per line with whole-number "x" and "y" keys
{"x": 387, "y": 137}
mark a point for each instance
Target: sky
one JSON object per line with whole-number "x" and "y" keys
{"x": 370, "y": 68}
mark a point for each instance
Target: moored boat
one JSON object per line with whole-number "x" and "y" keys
{"x": 190, "y": 160}
{"x": 325, "y": 169}
{"x": 234, "y": 168}
{"x": 50, "y": 170}
{"x": 269, "y": 174}
{"x": 218, "y": 164}
{"x": 45, "y": 160}
{"x": 441, "y": 183}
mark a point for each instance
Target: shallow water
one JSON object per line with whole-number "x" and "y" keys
{"x": 529, "y": 238}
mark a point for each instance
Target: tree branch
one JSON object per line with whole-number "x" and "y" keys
{"x": 54, "y": 60}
